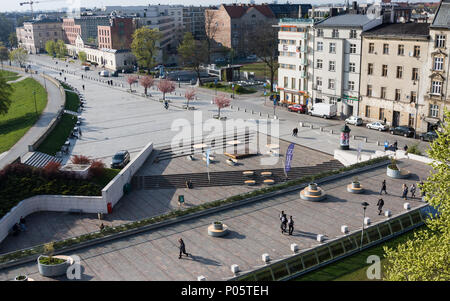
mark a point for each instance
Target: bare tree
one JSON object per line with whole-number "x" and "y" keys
{"x": 211, "y": 28}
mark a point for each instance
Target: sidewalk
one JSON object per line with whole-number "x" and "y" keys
{"x": 54, "y": 103}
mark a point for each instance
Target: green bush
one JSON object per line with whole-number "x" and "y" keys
{"x": 414, "y": 149}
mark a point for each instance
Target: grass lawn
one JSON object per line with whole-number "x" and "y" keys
{"x": 72, "y": 100}
{"x": 227, "y": 88}
{"x": 354, "y": 268}
{"x": 21, "y": 115}
{"x": 258, "y": 68}
{"x": 8, "y": 75}
{"x": 59, "y": 135}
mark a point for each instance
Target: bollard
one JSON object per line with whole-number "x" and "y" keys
{"x": 367, "y": 221}
{"x": 387, "y": 213}
{"x": 260, "y": 114}
{"x": 201, "y": 278}
{"x": 245, "y": 110}
{"x": 344, "y": 229}
{"x": 300, "y": 124}
{"x": 311, "y": 126}
{"x": 238, "y": 109}
{"x": 268, "y": 116}
{"x": 321, "y": 129}
{"x": 235, "y": 268}
{"x": 320, "y": 237}
{"x": 378, "y": 143}
{"x": 265, "y": 258}
{"x": 365, "y": 139}
{"x": 252, "y": 112}
{"x": 406, "y": 206}
{"x": 294, "y": 248}
{"x": 331, "y": 132}
{"x": 231, "y": 107}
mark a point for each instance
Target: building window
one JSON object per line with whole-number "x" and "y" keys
{"x": 320, "y": 32}
{"x": 319, "y": 64}
{"x": 434, "y": 111}
{"x": 332, "y": 47}
{"x": 369, "y": 90}
{"x": 436, "y": 87}
{"x": 413, "y": 97}
{"x": 371, "y": 48}
{"x": 331, "y": 84}
{"x": 384, "y": 70}
{"x": 381, "y": 114}
{"x": 335, "y": 33}
{"x": 351, "y": 85}
{"x": 438, "y": 64}
{"x": 318, "y": 81}
{"x": 370, "y": 69}
{"x": 397, "y": 94}
{"x": 411, "y": 120}
{"x": 351, "y": 67}
{"x": 383, "y": 93}
{"x": 285, "y": 81}
{"x": 352, "y": 33}
{"x": 293, "y": 83}
{"x": 440, "y": 41}
{"x": 352, "y": 48}
{"x": 401, "y": 50}
{"x": 415, "y": 74}
{"x": 333, "y": 100}
{"x": 332, "y": 66}
{"x": 319, "y": 46}
{"x": 399, "y": 71}
{"x": 416, "y": 51}
{"x": 367, "y": 111}
{"x": 385, "y": 48}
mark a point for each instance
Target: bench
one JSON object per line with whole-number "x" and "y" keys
{"x": 248, "y": 173}
{"x": 269, "y": 182}
{"x": 250, "y": 182}
{"x": 266, "y": 174}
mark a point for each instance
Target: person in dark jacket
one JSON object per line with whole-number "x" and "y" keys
{"x": 182, "y": 248}
{"x": 291, "y": 225}
{"x": 383, "y": 187}
{"x": 405, "y": 192}
{"x": 380, "y": 205}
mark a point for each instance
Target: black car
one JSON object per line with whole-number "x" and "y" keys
{"x": 428, "y": 136}
{"x": 402, "y": 130}
{"x": 120, "y": 159}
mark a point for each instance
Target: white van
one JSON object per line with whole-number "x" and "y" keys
{"x": 324, "y": 110}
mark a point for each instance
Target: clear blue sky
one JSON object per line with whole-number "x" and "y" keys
{"x": 13, "y": 5}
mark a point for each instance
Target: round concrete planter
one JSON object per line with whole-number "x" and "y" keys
{"x": 312, "y": 186}
{"x": 396, "y": 173}
{"x": 21, "y": 278}
{"x": 355, "y": 187}
{"x": 53, "y": 270}
{"x": 214, "y": 232}
{"x": 218, "y": 225}
{"x": 312, "y": 193}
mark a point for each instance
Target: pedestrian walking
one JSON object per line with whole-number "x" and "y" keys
{"x": 291, "y": 225}
{"x": 383, "y": 187}
{"x": 22, "y": 225}
{"x": 405, "y": 192}
{"x": 295, "y": 132}
{"x": 79, "y": 131}
{"x": 422, "y": 193}
{"x": 380, "y": 205}
{"x": 64, "y": 78}
{"x": 413, "y": 191}
{"x": 81, "y": 76}
{"x": 82, "y": 87}
{"x": 166, "y": 105}
{"x": 283, "y": 220}
{"x": 405, "y": 148}
{"x": 384, "y": 120}
{"x": 182, "y": 248}
{"x": 395, "y": 145}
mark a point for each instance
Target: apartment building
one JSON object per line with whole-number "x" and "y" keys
{"x": 337, "y": 58}
{"x": 437, "y": 88}
{"x": 34, "y": 34}
{"x": 116, "y": 35}
{"x": 295, "y": 59}
{"x": 393, "y": 77}
{"x": 85, "y": 27}
{"x": 194, "y": 21}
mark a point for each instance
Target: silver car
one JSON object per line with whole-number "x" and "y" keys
{"x": 354, "y": 120}
{"x": 377, "y": 126}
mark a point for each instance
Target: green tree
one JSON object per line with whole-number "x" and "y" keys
{"x": 19, "y": 55}
{"x": 50, "y": 47}
{"x": 144, "y": 46}
{"x": 82, "y": 56}
{"x": 6, "y": 27}
{"x": 61, "y": 49}
{"x": 193, "y": 53}
{"x": 12, "y": 39}
{"x": 426, "y": 256}
{"x": 5, "y": 95}
{"x": 4, "y": 54}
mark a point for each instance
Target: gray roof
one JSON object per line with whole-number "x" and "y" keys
{"x": 347, "y": 20}
{"x": 442, "y": 18}
{"x": 414, "y": 30}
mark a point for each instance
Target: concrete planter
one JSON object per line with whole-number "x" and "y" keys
{"x": 21, "y": 278}
{"x": 313, "y": 186}
{"x": 356, "y": 185}
{"x": 396, "y": 173}
{"x": 218, "y": 225}
{"x": 54, "y": 269}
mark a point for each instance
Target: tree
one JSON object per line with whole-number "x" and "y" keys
{"x": 12, "y": 39}
{"x": 166, "y": 86}
{"x": 264, "y": 45}
{"x": 19, "y": 55}
{"x": 82, "y": 56}
{"x": 211, "y": 28}
{"x": 147, "y": 82}
{"x": 426, "y": 256}
{"x": 6, "y": 27}
{"x": 5, "y": 95}
{"x": 193, "y": 53}
{"x": 4, "y": 54}
{"x": 50, "y": 47}
{"x": 144, "y": 46}
{"x": 221, "y": 101}
{"x": 61, "y": 49}
{"x": 131, "y": 79}
{"x": 189, "y": 95}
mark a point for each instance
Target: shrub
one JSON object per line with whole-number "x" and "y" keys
{"x": 51, "y": 170}
{"x": 414, "y": 149}
{"x": 97, "y": 169}
{"x": 80, "y": 159}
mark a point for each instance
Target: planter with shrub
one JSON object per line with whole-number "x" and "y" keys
{"x": 52, "y": 266}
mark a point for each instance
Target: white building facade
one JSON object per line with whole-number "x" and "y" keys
{"x": 337, "y": 61}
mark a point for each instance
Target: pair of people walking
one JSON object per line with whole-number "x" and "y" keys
{"x": 286, "y": 223}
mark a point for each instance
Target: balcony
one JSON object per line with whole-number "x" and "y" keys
{"x": 303, "y": 62}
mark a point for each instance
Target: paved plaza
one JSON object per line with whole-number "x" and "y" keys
{"x": 255, "y": 230}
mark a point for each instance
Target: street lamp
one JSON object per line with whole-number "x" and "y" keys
{"x": 364, "y": 204}
{"x": 179, "y": 83}
{"x": 35, "y": 105}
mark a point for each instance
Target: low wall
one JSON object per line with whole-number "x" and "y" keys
{"x": 86, "y": 204}
{"x": 114, "y": 191}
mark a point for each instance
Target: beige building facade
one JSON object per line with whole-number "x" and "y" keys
{"x": 34, "y": 34}
{"x": 393, "y": 77}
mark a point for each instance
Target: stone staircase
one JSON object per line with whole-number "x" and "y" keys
{"x": 38, "y": 159}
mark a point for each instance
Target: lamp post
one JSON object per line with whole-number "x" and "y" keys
{"x": 416, "y": 106}
{"x": 364, "y": 204}
{"x": 179, "y": 83}
{"x": 45, "y": 83}
{"x": 35, "y": 105}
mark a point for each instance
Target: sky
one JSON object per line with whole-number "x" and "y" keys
{"x": 13, "y": 5}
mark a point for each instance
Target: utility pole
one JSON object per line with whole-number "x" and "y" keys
{"x": 35, "y": 105}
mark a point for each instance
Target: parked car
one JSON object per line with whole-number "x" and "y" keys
{"x": 324, "y": 110}
{"x": 428, "y": 136}
{"x": 299, "y": 108}
{"x": 115, "y": 74}
{"x": 219, "y": 60}
{"x": 354, "y": 120}
{"x": 85, "y": 68}
{"x": 104, "y": 73}
{"x": 377, "y": 126}
{"x": 120, "y": 159}
{"x": 252, "y": 57}
{"x": 402, "y": 130}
